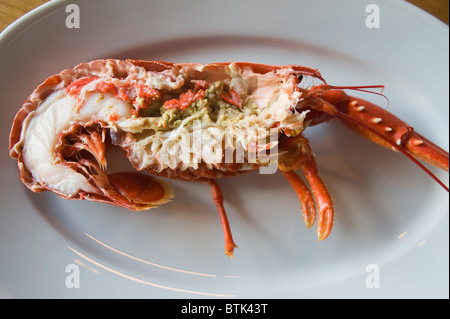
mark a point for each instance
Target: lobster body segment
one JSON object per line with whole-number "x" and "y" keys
{"x": 192, "y": 122}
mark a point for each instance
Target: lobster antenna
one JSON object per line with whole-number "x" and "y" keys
{"x": 362, "y": 89}
{"x": 392, "y": 143}
{"x": 361, "y": 124}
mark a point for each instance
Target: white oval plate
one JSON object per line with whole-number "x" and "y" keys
{"x": 390, "y": 237}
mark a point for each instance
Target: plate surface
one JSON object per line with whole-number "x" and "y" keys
{"x": 392, "y": 220}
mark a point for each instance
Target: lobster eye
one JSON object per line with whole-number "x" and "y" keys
{"x": 300, "y": 78}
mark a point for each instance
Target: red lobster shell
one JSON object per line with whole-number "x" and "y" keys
{"x": 60, "y": 134}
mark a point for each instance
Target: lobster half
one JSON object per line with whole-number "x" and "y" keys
{"x": 194, "y": 122}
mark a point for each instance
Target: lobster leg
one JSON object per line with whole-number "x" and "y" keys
{"x": 296, "y": 153}
{"x": 218, "y": 201}
{"x": 305, "y": 196}
{"x": 324, "y": 202}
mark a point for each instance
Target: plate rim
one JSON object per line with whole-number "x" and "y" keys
{"x": 48, "y": 8}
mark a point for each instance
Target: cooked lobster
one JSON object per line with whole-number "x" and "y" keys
{"x": 192, "y": 122}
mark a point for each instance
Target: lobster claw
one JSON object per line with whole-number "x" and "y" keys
{"x": 385, "y": 129}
